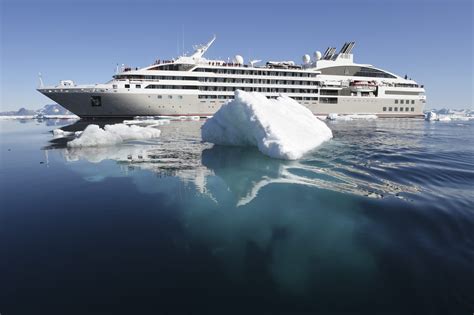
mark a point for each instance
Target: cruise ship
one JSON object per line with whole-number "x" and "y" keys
{"x": 325, "y": 83}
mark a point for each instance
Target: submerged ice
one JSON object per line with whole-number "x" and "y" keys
{"x": 280, "y": 128}
{"x": 94, "y": 136}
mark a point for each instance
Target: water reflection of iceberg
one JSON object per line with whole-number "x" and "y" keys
{"x": 246, "y": 172}
{"x": 302, "y": 236}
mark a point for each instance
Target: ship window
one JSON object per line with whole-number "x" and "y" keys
{"x": 395, "y": 109}
{"x": 356, "y": 71}
{"x": 114, "y": 86}
{"x": 138, "y": 86}
{"x": 180, "y": 96}
{"x": 413, "y": 109}
{"x": 159, "y": 96}
{"x": 127, "y": 86}
{"x": 401, "y": 102}
{"x": 385, "y": 109}
{"x": 96, "y": 101}
{"x": 407, "y": 109}
{"x": 328, "y": 100}
{"x": 170, "y": 96}
{"x": 396, "y": 101}
{"x": 413, "y": 101}
{"x": 389, "y": 109}
{"x": 401, "y": 109}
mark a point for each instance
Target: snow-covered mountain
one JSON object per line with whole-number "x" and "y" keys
{"x": 50, "y": 109}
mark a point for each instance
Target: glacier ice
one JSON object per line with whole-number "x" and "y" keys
{"x": 280, "y": 128}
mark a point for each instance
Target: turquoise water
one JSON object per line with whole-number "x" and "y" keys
{"x": 378, "y": 220}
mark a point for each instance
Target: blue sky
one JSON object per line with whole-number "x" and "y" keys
{"x": 431, "y": 41}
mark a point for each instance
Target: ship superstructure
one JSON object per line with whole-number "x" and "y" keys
{"x": 195, "y": 86}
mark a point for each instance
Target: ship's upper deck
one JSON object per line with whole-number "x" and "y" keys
{"x": 330, "y": 65}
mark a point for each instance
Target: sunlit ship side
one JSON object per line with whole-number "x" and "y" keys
{"x": 196, "y": 86}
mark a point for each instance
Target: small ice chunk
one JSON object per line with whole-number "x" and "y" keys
{"x": 444, "y": 118}
{"x": 334, "y": 116}
{"x": 280, "y": 128}
{"x": 431, "y": 116}
{"x": 153, "y": 122}
{"x": 362, "y": 116}
{"x": 59, "y": 133}
{"x": 94, "y": 136}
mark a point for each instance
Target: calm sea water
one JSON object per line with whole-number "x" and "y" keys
{"x": 380, "y": 220}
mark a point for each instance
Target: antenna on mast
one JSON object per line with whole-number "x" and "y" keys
{"x": 40, "y": 77}
{"x": 182, "y": 37}
{"x": 177, "y": 44}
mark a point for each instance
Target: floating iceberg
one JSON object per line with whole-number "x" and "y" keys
{"x": 94, "y": 136}
{"x": 280, "y": 128}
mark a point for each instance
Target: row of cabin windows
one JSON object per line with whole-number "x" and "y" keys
{"x": 232, "y": 88}
{"x": 172, "y": 87}
{"x": 257, "y": 72}
{"x": 406, "y": 101}
{"x": 257, "y": 89}
{"x": 356, "y": 71}
{"x": 298, "y": 98}
{"x": 396, "y": 109}
{"x": 212, "y": 79}
{"x": 169, "y": 96}
{"x": 329, "y": 92}
{"x": 258, "y": 81}
{"x": 221, "y": 97}
{"x": 127, "y": 86}
{"x": 328, "y": 100}
{"x": 151, "y": 77}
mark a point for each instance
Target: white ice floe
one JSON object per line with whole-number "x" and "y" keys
{"x": 60, "y": 117}
{"x": 431, "y": 116}
{"x": 434, "y": 116}
{"x": 178, "y": 117}
{"x": 68, "y": 117}
{"x": 17, "y": 117}
{"x": 59, "y": 133}
{"x": 154, "y": 122}
{"x": 334, "y": 116}
{"x": 94, "y": 136}
{"x": 280, "y": 128}
{"x": 444, "y": 118}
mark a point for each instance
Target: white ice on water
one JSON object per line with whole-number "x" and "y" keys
{"x": 59, "y": 133}
{"x": 280, "y": 128}
{"x": 444, "y": 118}
{"x": 154, "y": 122}
{"x": 335, "y": 116}
{"x": 94, "y": 136}
{"x": 431, "y": 116}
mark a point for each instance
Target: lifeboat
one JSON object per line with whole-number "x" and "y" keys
{"x": 363, "y": 86}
